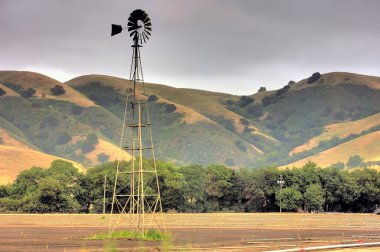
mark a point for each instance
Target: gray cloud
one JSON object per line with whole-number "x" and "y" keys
{"x": 228, "y": 46}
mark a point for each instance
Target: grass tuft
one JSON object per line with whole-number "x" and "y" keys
{"x": 150, "y": 235}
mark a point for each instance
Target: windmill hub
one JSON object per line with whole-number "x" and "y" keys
{"x": 139, "y": 26}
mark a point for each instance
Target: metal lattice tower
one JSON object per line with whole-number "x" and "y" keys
{"x": 136, "y": 192}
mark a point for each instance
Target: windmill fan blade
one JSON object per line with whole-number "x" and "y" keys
{"x": 145, "y": 37}
{"x": 148, "y": 33}
{"x": 148, "y": 24}
{"x": 132, "y": 19}
{"x": 146, "y": 19}
{"x": 137, "y": 14}
{"x": 144, "y": 16}
{"x": 132, "y": 33}
{"x": 116, "y": 29}
{"x": 148, "y": 28}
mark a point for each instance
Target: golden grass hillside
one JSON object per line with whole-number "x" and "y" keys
{"x": 42, "y": 84}
{"x": 8, "y": 139}
{"x": 16, "y": 159}
{"x": 340, "y": 130}
{"x": 109, "y": 149}
{"x": 366, "y": 146}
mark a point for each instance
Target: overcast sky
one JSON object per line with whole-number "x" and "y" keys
{"x": 226, "y": 46}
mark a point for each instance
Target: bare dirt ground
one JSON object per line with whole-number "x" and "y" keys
{"x": 192, "y": 232}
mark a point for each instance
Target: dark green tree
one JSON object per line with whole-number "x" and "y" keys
{"x": 218, "y": 182}
{"x": 28, "y": 93}
{"x": 262, "y": 89}
{"x": 354, "y": 161}
{"x": 152, "y": 98}
{"x": 290, "y": 198}
{"x": 57, "y": 90}
{"x": 313, "y": 198}
{"x": 171, "y": 186}
{"x": 194, "y": 188}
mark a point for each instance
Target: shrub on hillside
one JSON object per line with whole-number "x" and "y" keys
{"x": 87, "y": 147}
{"x": 314, "y": 78}
{"x": 28, "y": 93}
{"x": 291, "y": 83}
{"x": 102, "y": 157}
{"x": 227, "y": 123}
{"x": 152, "y": 98}
{"x": 282, "y": 90}
{"x": 354, "y": 161}
{"x": 57, "y": 90}
{"x": 92, "y": 138}
{"x": 244, "y": 121}
{"x": 267, "y": 100}
{"x": 63, "y": 138}
{"x": 255, "y": 110}
{"x": 262, "y": 89}
{"x": 2, "y": 92}
{"x": 15, "y": 87}
{"x": 49, "y": 121}
{"x": 245, "y": 100}
{"x": 170, "y": 108}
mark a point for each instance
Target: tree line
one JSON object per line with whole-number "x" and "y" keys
{"x": 193, "y": 188}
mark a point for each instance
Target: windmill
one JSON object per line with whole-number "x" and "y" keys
{"x": 136, "y": 200}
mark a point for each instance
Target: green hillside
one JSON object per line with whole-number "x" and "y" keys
{"x": 54, "y": 124}
{"x": 192, "y": 126}
{"x": 184, "y": 135}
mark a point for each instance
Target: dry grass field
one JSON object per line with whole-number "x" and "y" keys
{"x": 191, "y": 232}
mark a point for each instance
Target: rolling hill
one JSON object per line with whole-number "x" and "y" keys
{"x": 340, "y": 130}
{"x": 17, "y": 159}
{"x": 366, "y": 146}
{"x": 326, "y": 119}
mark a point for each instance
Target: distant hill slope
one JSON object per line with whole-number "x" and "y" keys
{"x": 367, "y": 146}
{"x": 42, "y": 84}
{"x": 16, "y": 159}
{"x": 336, "y": 78}
{"x": 196, "y": 132}
{"x": 49, "y": 123}
{"x": 340, "y": 130}
{"x": 325, "y": 117}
